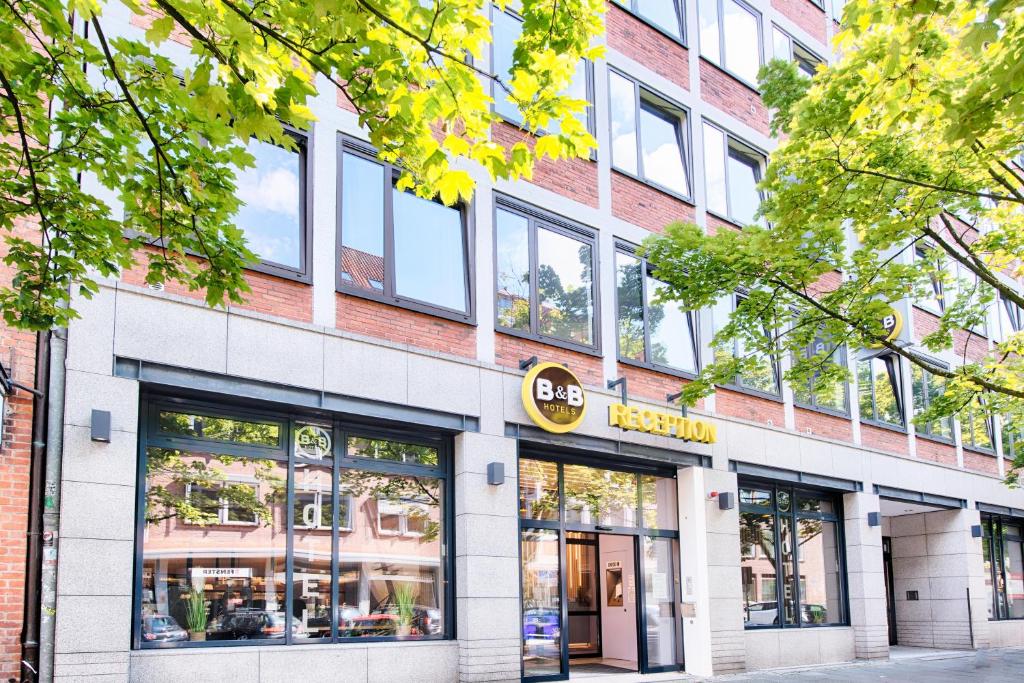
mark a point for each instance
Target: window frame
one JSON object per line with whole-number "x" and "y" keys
{"x": 990, "y": 523}
{"x": 632, "y": 7}
{"x": 989, "y": 421}
{"x": 693, "y": 315}
{"x": 735, "y": 145}
{"x": 921, "y": 253}
{"x": 776, "y": 361}
{"x": 588, "y": 70}
{"x": 894, "y": 370}
{"x": 1009, "y": 312}
{"x": 681, "y": 123}
{"x": 793, "y": 45}
{"x": 837, "y": 517}
{"x": 720, "y": 64}
{"x": 839, "y": 350}
{"x": 926, "y": 399}
{"x": 387, "y": 295}
{"x": 538, "y": 218}
{"x": 341, "y": 429}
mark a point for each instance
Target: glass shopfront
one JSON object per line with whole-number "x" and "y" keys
{"x": 276, "y": 529}
{"x": 599, "y": 550}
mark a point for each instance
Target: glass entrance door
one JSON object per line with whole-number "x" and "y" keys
{"x": 582, "y": 589}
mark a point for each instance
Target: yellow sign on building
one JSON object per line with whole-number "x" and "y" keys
{"x": 664, "y": 424}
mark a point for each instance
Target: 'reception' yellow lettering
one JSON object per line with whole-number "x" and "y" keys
{"x": 631, "y": 418}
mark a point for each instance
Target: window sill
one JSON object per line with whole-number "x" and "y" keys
{"x": 934, "y": 439}
{"x": 824, "y": 411}
{"x": 927, "y": 309}
{"x": 756, "y": 393}
{"x": 550, "y": 341}
{"x": 655, "y": 186}
{"x": 882, "y": 425}
{"x": 677, "y": 40}
{"x": 679, "y": 374}
{"x": 732, "y": 221}
{"x": 990, "y": 452}
{"x": 742, "y": 81}
{"x": 408, "y": 305}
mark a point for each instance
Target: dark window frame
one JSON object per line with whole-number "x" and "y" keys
{"x": 660, "y": 106}
{"x": 1011, "y": 313}
{"x": 540, "y": 218}
{"x": 632, "y": 6}
{"x": 928, "y": 252}
{"x": 339, "y": 461}
{"x": 776, "y": 362}
{"x": 720, "y": 63}
{"x": 794, "y": 514}
{"x": 387, "y": 295}
{"x": 989, "y": 422}
{"x": 926, "y": 399}
{"x": 814, "y": 60}
{"x": 745, "y": 153}
{"x": 992, "y": 529}
{"x": 841, "y": 351}
{"x": 894, "y": 370}
{"x": 693, "y": 315}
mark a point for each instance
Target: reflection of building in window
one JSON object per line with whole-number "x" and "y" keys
{"x": 880, "y": 389}
{"x": 976, "y": 426}
{"x": 762, "y": 371}
{"x": 785, "y": 47}
{"x": 816, "y": 393}
{"x": 666, "y": 15}
{"x": 732, "y": 170}
{"x": 730, "y": 36}
{"x": 928, "y": 387}
{"x": 1003, "y": 549}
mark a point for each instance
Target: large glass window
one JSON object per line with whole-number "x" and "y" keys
{"x": 273, "y": 212}
{"x": 730, "y": 36}
{"x": 763, "y": 376}
{"x": 816, "y": 394}
{"x": 544, "y": 277}
{"x": 1004, "y": 565}
{"x": 879, "y": 390}
{"x": 651, "y": 331}
{"x": 542, "y": 602}
{"x": 976, "y": 427}
{"x": 665, "y": 15}
{"x": 397, "y": 247}
{"x": 732, "y": 170}
{"x": 507, "y": 28}
{"x": 648, "y": 135}
{"x": 787, "y": 48}
{"x": 927, "y": 388}
{"x": 1011, "y": 317}
{"x": 355, "y": 530}
{"x": 793, "y": 534}
{"x": 934, "y": 263}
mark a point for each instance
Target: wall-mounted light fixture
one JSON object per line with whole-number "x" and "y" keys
{"x": 874, "y": 519}
{"x": 672, "y": 398}
{"x": 100, "y": 426}
{"x": 495, "y": 473}
{"x": 621, "y": 384}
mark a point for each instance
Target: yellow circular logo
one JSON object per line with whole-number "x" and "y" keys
{"x": 554, "y": 398}
{"x": 892, "y": 323}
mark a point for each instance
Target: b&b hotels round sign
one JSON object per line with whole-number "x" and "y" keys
{"x": 554, "y": 398}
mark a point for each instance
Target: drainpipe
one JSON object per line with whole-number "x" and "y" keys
{"x": 37, "y": 472}
{"x": 51, "y": 500}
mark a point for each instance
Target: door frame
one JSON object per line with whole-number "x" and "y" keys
{"x": 890, "y": 591}
{"x": 596, "y": 544}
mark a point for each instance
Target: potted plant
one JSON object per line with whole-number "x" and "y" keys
{"x": 404, "y": 596}
{"x": 195, "y": 614}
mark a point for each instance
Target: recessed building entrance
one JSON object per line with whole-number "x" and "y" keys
{"x": 600, "y": 570}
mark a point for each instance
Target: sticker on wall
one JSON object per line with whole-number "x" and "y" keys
{"x": 312, "y": 441}
{"x": 553, "y": 397}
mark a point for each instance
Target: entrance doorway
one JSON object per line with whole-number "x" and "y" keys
{"x": 890, "y": 596}
{"x": 599, "y": 550}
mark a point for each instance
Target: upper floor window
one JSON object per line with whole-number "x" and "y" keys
{"x": 732, "y": 170}
{"x": 933, "y": 261}
{"x": 836, "y": 8}
{"x": 730, "y": 36}
{"x": 1013, "y": 439}
{"x": 976, "y": 426}
{"x": 928, "y": 387}
{"x": 648, "y": 135}
{"x": 765, "y": 374}
{"x": 815, "y": 394}
{"x": 507, "y": 28}
{"x": 652, "y": 332}
{"x": 544, "y": 271}
{"x": 880, "y": 389}
{"x": 273, "y": 214}
{"x": 785, "y": 47}
{"x": 665, "y": 15}
{"x": 399, "y": 248}
{"x": 1011, "y": 317}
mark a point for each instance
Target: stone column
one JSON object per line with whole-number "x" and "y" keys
{"x": 487, "y": 560}
{"x": 865, "y": 574}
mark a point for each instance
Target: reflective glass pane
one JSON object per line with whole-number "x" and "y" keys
{"x": 936, "y": 387}
{"x": 714, "y": 170}
{"x": 820, "y": 600}
{"x": 658, "y": 502}
{"x": 538, "y": 489}
{"x": 742, "y": 43}
{"x": 542, "y": 603}
{"x": 395, "y": 451}
{"x": 780, "y": 44}
{"x": 986, "y": 553}
{"x": 788, "y": 579}
{"x": 577, "y": 90}
{"x": 710, "y": 38}
{"x": 507, "y": 30}
{"x": 629, "y": 284}
{"x": 662, "y": 142}
{"x": 672, "y": 333}
{"x": 513, "y": 270}
{"x": 660, "y": 588}
{"x": 759, "y": 497}
{"x": 564, "y": 285}
{"x": 430, "y": 257}
{"x": 362, "y": 221}
{"x": 1014, "y": 562}
{"x": 311, "y": 574}
{"x": 219, "y": 428}
{"x": 762, "y": 376}
{"x": 598, "y": 496}
{"x": 391, "y": 570}
{"x": 662, "y": 13}
{"x": 757, "y": 569}
{"x": 623, "y": 113}
{"x": 822, "y": 506}
{"x": 271, "y": 215}
{"x": 744, "y": 198}
{"x": 213, "y": 564}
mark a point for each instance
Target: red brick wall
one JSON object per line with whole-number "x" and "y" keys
{"x": 884, "y": 439}
{"x": 730, "y": 95}
{"x": 17, "y": 352}
{"x": 747, "y": 407}
{"x": 822, "y": 424}
{"x": 650, "y": 384}
{"x": 804, "y": 14}
{"x": 640, "y": 204}
{"x": 652, "y": 48}
{"x": 936, "y": 451}
{"x": 715, "y": 224}
{"x": 572, "y": 178}
{"x": 271, "y": 295}
{"x": 509, "y": 350}
{"x": 980, "y": 462}
{"x": 374, "y": 319}
{"x": 976, "y": 345}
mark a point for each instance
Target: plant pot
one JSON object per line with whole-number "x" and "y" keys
{"x": 404, "y": 629}
{"x": 197, "y": 636}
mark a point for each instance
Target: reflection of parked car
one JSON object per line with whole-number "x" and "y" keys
{"x": 541, "y": 623}
{"x": 160, "y": 628}
{"x": 245, "y": 624}
{"x": 383, "y": 621}
{"x": 768, "y": 613}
